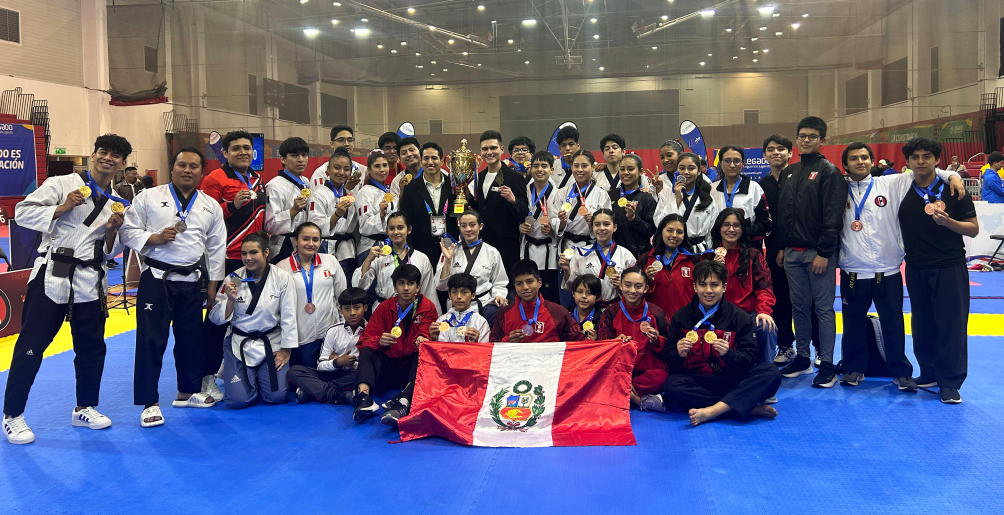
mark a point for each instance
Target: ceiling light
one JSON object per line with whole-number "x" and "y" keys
{"x": 735, "y": 57}
{"x": 602, "y": 68}
{"x": 419, "y": 66}
{"x": 729, "y": 29}
{"x": 379, "y": 46}
{"x": 702, "y": 63}
{"x": 766, "y": 9}
{"x": 418, "y": 53}
{"x": 310, "y": 32}
{"x": 432, "y": 27}
{"x": 404, "y": 43}
{"x": 594, "y": 59}
{"x": 510, "y": 41}
{"x": 776, "y": 15}
{"x": 766, "y": 50}
{"x": 479, "y": 64}
{"x": 655, "y": 48}
{"x": 334, "y": 22}
{"x": 519, "y": 49}
{"x": 742, "y": 48}
{"x": 754, "y": 60}
{"x": 393, "y": 51}
{"x": 352, "y": 30}
{"x": 596, "y": 36}
{"x": 433, "y": 62}
{"x": 756, "y": 51}
{"x": 411, "y": 10}
{"x": 779, "y": 33}
{"x": 450, "y": 41}
{"x": 592, "y": 20}
{"x": 806, "y": 15}
{"x": 445, "y": 70}
{"x": 481, "y": 8}
{"x": 463, "y": 53}
{"x": 754, "y": 39}
{"x": 303, "y": 1}
{"x": 763, "y": 28}
{"x": 494, "y": 22}
{"x": 664, "y": 17}
{"x": 365, "y": 20}
{"x": 796, "y": 25}
{"x": 336, "y": 4}
{"x": 708, "y": 12}
{"x": 529, "y": 22}
{"x": 646, "y": 66}
{"x": 709, "y": 55}
{"x": 432, "y": 74}
{"x": 526, "y": 62}
{"x": 362, "y": 32}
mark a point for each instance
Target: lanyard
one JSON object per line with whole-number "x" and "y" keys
{"x": 624, "y": 195}
{"x": 183, "y": 214}
{"x": 588, "y": 318}
{"x": 470, "y": 245}
{"x": 462, "y": 322}
{"x": 540, "y": 198}
{"x": 731, "y": 198}
{"x": 672, "y": 258}
{"x": 248, "y": 279}
{"x": 707, "y": 314}
{"x": 642, "y": 318}
{"x": 536, "y": 311}
{"x": 382, "y": 188}
{"x": 582, "y": 194}
{"x": 858, "y": 206}
{"x": 518, "y": 166}
{"x": 397, "y": 259}
{"x": 340, "y": 192}
{"x": 925, "y": 193}
{"x": 96, "y": 191}
{"x": 308, "y": 282}
{"x": 295, "y": 178}
{"x": 246, "y": 182}
{"x": 401, "y": 315}
{"x": 429, "y": 208}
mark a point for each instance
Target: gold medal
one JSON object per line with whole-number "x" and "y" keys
{"x": 710, "y": 336}
{"x": 305, "y": 192}
{"x": 721, "y": 252}
{"x": 407, "y": 177}
{"x": 444, "y": 326}
{"x": 386, "y": 250}
{"x": 587, "y": 325}
{"x": 118, "y": 207}
{"x": 611, "y": 272}
{"x": 567, "y": 253}
{"x": 85, "y": 191}
{"x": 388, "y": 197}
{"x": 693, "y": 336}
{"x": 526, "y": 164}
{"x": 396, "y": 331}
{"x": 567, "y": 207}
{"x": 622, "y": 202}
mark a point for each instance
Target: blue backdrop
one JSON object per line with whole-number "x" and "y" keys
{"x": 17, "y": 160}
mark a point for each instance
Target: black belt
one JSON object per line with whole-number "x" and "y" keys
{"x": 538, "y": 242}
{"x": 376, "y": 237}
{"x": 576, "y": 238}
{"x": 696, "y": 242}
{"x": 169, "y": 268}
{"x": 95, "y": 263}
{"x": 273, "y": 378}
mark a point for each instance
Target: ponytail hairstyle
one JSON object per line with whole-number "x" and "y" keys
{"x": 637, "y": 160}
{"x": 585, "y": 153}
{"x": 375, "y": 154}
{"x": 637, "y": 270}
{"x": 259, "y": 237}
{"x": 744, "y": 238}
{"x": 305, "y": 225}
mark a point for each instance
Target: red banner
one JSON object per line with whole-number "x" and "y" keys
{"x": 13, "y": 286}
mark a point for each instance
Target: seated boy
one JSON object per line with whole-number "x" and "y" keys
{"x": 462, "y": 323}
{"x": 531, "y": 318}
{"x": 335, "y": 375}
{"x": 586, "y": 290}
{"x": 388, "y": 347}
{"x": 713, "y": 364}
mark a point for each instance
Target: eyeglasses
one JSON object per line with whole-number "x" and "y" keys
{"x": 389, "y": 148}
{"x": 345, "y": 140}
{"x": 524, "y": 150}
{"x": 732, "y": 226}
{"x": 807, "y": 137}
{"x": 732, "y": 162}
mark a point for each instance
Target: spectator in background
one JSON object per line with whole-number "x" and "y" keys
{"x": 147, "y": 181}
{"x": 905, "y": 169}
{"x": 131, "y": 185}
{"x": 955, "y": 166}
{"x": 879, "y": 169}
{"x": 993, "y": 190}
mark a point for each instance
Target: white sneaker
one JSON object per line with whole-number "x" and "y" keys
{"x": 17, "y": 430}
{"x": 89, "y": 418}
{"x": 210, "y": 388}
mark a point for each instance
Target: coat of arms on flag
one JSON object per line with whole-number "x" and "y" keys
{"x": 521, "y": 409}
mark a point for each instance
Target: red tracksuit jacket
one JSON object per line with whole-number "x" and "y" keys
{"x": 222, "y": 185}
{"x": 752, "y": 291}
{"x": 673, "y": 287}
{"x": 554, "y": 323}
{"x": 415, "y": 324}
{"x": 613, "y": 323}
{"x": 731, "y": 324}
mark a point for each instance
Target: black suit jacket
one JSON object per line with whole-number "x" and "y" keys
{"x": 415, "y": 200}
{"x": 502, "y": 218}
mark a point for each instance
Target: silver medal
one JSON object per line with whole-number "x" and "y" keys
{"x": 528, "y": 329}
{"x": 180, "y": 226}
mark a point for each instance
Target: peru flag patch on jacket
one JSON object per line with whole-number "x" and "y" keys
{"x": 523, "y": 394}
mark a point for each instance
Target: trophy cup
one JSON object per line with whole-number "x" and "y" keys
{"x": 462, "y": 164}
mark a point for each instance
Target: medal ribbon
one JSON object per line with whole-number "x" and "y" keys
{"x": 401, "y": 315}
{"x": 707, "y": 314}
{"x": 183, "y": 214}
{"x": 588, "y": 318}
{"x": 339, "y": 193}
{"x": 246, "y": 182}
{"x": 731, "y": 198}
{"x": 858, "y": 206}
{"x": 624, "y": 195}
{"x": 96, "y": 191}
{"x": 539, "y": 198}
{"x": 463, "y": 321}
{"x": 397, "y": 259}
{"x": 382, "y": 188}
{"x": 248, "y": 279}
{"x": 926, "y": 193}
{"x": 308, "y": 282}
{"x": 295, "y": 178}
{"x": 642, "y": 318}
{"x": 536, "y": 311}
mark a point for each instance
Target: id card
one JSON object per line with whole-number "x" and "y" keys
{"x": 438, "y": 225}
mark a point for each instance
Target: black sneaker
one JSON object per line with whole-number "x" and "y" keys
{"x": 906, "y": 384}
{"x": 365, "y": 407}
{"x": 342, "y": 397}
{"x": 396, "y": 409}
{"x": 950, "y": 395}
{"x": 826, "y": 377}
{"x": 111, "y": 263}
{"x": 302, "y": 396}
{"x": 852, "y": 378}
{"x": 925, "y": 381}
{"x": 796, "y": 367}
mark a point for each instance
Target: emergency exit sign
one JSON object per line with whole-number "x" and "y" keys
{"x": 60, "y": 151}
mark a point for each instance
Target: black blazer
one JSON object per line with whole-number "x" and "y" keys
{"x": 502, "y": 218}
{"x": 415, "y": 200}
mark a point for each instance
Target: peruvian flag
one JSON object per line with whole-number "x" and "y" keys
{"x": 523, "y": 394}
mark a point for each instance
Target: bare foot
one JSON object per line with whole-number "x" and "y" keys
{"x": 699, "y": 416}
{"x": 763, "y": 410}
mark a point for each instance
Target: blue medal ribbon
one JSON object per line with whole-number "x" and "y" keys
{"x": 537, "y": 198}
{"x": 469, "y": 245}
{"x": 96, "y": 191}
{"x": 624, "y": 195}
{"x": 928, "y": 192}
{"x": 858, "y": 206}
{"x": 729, "y": 199}
{"x": 381, "y": 187}
{"x": 246, "y": 182}
{"x": 671, "y": 259}
{"x": 339, "y": 193}
{"x": 536, "y": 311}
{"x": 248, "y": 279}
{"x": 183, "y": 214}
{"x": 644, "y": 315}
{"x": 577, "y": 317}
{"x": 296, "y": 178}
{"x": 308, "y": 282}
{"x": 707, "y": 314}
{"x": 463, "y": 321}
{"x": 401, "y": 315}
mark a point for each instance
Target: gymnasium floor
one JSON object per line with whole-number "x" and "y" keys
{"x": 868, "y": 449}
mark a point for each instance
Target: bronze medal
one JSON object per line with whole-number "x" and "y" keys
{"x": 929, "y": 209}
{"x": 939, "y": 204}
{"x": 583, "y": 211}
{"x": 857, "y": 225}
{"x": 309, "y": 308}
{"x": 721, "y": 252}
{"x": 645, "y": 327}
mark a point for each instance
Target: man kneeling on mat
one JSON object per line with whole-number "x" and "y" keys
{"x": 714, "y": 366}
{"x": 331, "y": 381}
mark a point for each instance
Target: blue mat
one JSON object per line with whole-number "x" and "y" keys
{"x": 843, "y": 450}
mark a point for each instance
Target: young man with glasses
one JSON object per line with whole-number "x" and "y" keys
{"x": 521, "y": 151}
{"x": 809, "y": 220}
{"x": 342, "y": 136}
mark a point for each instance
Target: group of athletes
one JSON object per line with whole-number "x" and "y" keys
{"x": 323, "y": 285}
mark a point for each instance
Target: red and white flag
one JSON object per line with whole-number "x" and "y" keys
{"x": 523, "y": 394}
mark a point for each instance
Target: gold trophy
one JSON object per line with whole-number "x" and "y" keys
{"x": 462, "y": 164}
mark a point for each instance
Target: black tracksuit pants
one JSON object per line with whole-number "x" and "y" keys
{"x": 159, "y": 304}
{"x": 382, "y": 372}
{"x": 742, "y": 393}
{"x": 939, "y": 301}
{"x": 323, "y": 386}
{"x": 887, "y": 294}
{"x": 41, "y": 319}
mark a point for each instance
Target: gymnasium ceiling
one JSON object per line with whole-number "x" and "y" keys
{"x": 394, "y": 42}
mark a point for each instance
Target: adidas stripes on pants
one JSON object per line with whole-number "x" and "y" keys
{"x": 237, "y": 393}
{"x": 41, "y": 319}
{"x": 156, "y": 309}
